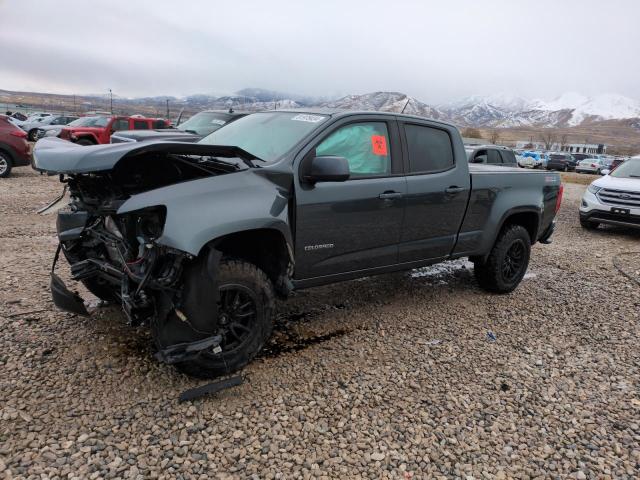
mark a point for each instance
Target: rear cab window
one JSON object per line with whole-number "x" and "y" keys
{"x": 494, "y": 156}
{"x": 140, "y": 125}
{"x": 429, "y": 149}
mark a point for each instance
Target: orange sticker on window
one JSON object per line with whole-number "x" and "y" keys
{"x": 379, "y": 144}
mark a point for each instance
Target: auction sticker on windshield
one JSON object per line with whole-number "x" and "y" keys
{"x": 305, "y": 117}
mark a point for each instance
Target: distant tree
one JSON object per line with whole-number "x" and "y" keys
{"x": 548, "y": 138}
{"x": 564, "y": 139}
{"x": 470, "y": 132}
{"x": 494, "y": 136}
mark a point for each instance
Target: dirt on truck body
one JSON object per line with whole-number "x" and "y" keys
{"x": 196, "y": 240}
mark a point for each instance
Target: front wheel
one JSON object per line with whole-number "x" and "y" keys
{"x": 244, "y": 320}
{"x": 589, "y": 225}
{"x": 5, "y": 165}
{"x": 33, "y": 134}
{"x": 507, "y": 262}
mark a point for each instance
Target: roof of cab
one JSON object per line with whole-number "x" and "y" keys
{"x": 333, "y": 112}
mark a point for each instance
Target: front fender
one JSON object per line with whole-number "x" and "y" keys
{"x": 202, "y": 210}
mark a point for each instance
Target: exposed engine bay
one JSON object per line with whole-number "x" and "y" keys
{"x": 116, "y": 256}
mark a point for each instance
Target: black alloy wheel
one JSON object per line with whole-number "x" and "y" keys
{"x": 514, "y": 260}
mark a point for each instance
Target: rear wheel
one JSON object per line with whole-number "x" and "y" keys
{"x": 507, "y": 263}
{"x": 5, "y": 165}
{"x": 244, "y": 320}
{"x": 33, "y": 134}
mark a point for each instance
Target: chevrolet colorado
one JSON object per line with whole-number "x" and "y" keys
{"x": 197, "y": 239}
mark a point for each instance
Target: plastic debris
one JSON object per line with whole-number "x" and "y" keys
{"x": 491, "y": 336}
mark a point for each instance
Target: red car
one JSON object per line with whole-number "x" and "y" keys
{"x": 98, "y": 129}
{"x": 14, "y": 148}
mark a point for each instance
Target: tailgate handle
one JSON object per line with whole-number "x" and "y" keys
{"x": 454, "y": 189}
{"x": 390, "y": 195}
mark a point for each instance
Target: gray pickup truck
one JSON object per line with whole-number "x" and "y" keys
{"x": 197, "y": 240}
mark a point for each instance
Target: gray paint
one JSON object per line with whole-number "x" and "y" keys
{"x": 202, "y": 210}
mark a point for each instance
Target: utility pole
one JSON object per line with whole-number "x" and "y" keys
{"x": 111, "y": 100}
{"x": 167, "y": 109}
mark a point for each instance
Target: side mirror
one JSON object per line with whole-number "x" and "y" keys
{"x": 606, "y": 171}
{"x": 327, "y": 169}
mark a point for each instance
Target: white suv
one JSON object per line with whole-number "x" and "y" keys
{"x": 613, "y": 199}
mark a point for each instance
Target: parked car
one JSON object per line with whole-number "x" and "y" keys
{"x": 33, "y": 117}
{"x": 98, "y": 129}
{"x": 583, "y": 156}
{"x": 14, "y": 147}
{"x": 196, "y": 239}
{"x": 31, "y": 127}
{"x": 561, "y": 161}
{"x": 616, "y": 163}
{"x": 591, "y": 165}
{"x": 613, "y": 199}
{"x": 492, "y": 155}
{"x": 533, "y": 160}
{"x": 197, "y": 127}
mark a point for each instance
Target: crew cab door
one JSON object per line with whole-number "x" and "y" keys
{"x": 354, "y": 224}
{"x": 437, "y": 190}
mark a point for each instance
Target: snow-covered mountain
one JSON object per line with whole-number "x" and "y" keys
{"x": 385, "y": 102}
{"x": 569, "y": 109}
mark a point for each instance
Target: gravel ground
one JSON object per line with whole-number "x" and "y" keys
{"x": 386, "y": 377}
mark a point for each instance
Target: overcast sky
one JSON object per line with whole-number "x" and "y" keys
{"x": 434, "y": 50}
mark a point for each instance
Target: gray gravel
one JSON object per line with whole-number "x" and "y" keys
{"x": 405, "y": 383}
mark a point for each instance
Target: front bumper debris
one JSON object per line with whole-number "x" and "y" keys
{"x": 182, "y": 352}
{"x": 65, "y": 299}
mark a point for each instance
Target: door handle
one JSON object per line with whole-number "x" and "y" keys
{"x": 454, "y": 189}
{"x": 390, "y": 195}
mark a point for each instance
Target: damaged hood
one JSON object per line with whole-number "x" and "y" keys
{"x": 54, "y": 155}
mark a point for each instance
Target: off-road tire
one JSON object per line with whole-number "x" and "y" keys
{"x": 33, "y": 134}
{"x": 588, "y": 224}
{"x": 247, "y": 275}
{"x": 5, "y": 169}
{"x": 490, "y": 273}
{"x": 85, "y": 142}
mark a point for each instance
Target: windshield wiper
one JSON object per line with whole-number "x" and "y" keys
{"x": 634, "y": 176}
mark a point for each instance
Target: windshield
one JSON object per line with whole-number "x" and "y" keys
{"x": 628, "y": 169}
{"x": 266, "y": 135}
{"x": 204, "y": 123}
{"x": 90, "y": 122}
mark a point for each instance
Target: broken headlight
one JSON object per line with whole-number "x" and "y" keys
{"x": 147, "y": 223}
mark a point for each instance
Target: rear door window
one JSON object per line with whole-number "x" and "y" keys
{"x": 120, "y": 124}
{"x": 365, "y": 146}
{"x": 493, "y": 156}
{"x": 508, "y": 156}
{"x": 429, "y": 149}
{"x": 140, "y": 125}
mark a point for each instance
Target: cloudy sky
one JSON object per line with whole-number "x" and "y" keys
{"x": 436, "y": 51}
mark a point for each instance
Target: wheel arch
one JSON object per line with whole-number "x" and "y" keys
{"x": 267, "y": 248}
{"x": 87, "y": 136}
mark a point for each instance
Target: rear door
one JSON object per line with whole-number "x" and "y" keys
{"x": 437, "y": 192}
{"x": 352, "y": 225}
